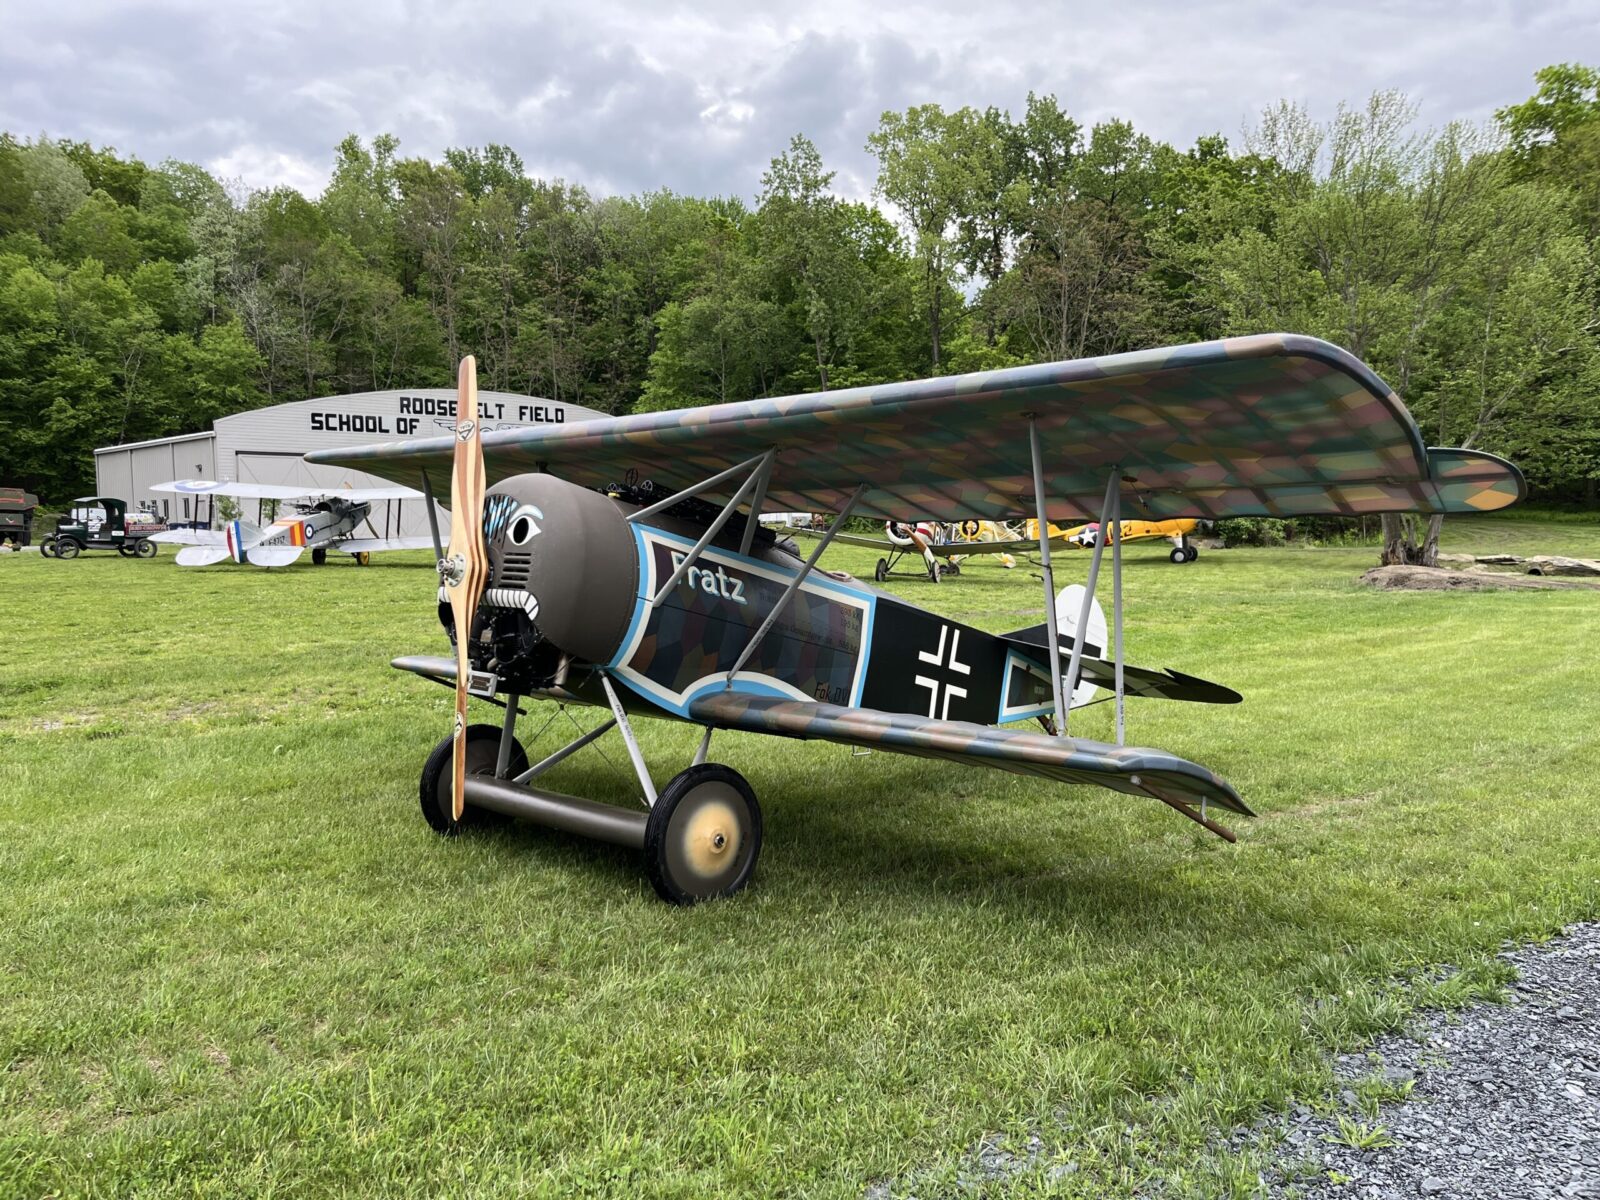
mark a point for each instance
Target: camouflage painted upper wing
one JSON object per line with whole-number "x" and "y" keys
{"x": 1131, "y": 769}
{"x": 1275, "y": 425}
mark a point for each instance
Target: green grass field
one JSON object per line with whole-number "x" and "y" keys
{"x": 234, "y": 961}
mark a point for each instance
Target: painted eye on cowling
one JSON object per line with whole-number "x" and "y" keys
{"x": 523, "y": 526}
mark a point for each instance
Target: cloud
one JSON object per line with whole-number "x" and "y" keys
{"x": 633, "y": 96}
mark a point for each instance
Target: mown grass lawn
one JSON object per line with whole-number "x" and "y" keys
{"x": 234, "y": 961}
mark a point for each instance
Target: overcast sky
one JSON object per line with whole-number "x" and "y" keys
{"x": 624, "y": 95}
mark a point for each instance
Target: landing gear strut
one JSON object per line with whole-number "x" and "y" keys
{"x": 701, "y": 834}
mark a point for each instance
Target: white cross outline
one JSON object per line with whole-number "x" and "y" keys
{"x": 935, "y": 686}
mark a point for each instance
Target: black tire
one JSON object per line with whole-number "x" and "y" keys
{"x": 703, "y": 836}
{"x": 47, "y": 548}
{"x": 483, "y": 749}
{"x": 68, "y": 548}
{"x": 881, "y": 571}
{"x": 1179, "y": 555}
{"x": 144, "y": 548}
{"x": 952, "y": 568}
{"x": 319, "y": 555}
{"x": 127, "y": 549}
{"x": 934, "y": 571}
{"x": 1194, "y": 553}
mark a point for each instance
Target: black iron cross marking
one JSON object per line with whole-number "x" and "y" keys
{"x": 943, "y": 688}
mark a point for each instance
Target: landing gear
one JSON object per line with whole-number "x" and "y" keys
{"x": 881, "y": 571}
{"x": 319, "y": 555}
{"x": 483, "y": 748}
{"x": 1194, "y": 553}
{"x": 703, "y": 835}
{"x": 1179, "y": 555}
{"x": 362, "y": 557}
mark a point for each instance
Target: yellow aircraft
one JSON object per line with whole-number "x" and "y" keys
{"x": 1177, "y": 532}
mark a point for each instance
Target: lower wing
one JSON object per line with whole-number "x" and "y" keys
{"x": 373, "y": 545}
{"x": 1133, "y": 770}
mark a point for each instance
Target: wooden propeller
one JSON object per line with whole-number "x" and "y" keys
{"x": 465, "y": 567}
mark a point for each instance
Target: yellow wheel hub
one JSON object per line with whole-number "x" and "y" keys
{"x": 711, "y": 838}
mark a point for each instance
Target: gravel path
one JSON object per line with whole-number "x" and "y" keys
{"x": 1505, "y": 1099}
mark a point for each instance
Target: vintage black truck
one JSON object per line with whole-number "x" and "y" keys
{"x": 16, "y": 516}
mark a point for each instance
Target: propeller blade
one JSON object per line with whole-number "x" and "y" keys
{"x": 465, "y": 567}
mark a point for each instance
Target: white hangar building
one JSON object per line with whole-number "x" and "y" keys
{"x": 265, "y": 445}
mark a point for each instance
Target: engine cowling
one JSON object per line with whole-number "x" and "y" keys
{"x": 563, "y": 577}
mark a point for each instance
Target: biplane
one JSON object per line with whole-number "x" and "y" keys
{"x": 321, "y": 520}
{"x": 620, "y": 564}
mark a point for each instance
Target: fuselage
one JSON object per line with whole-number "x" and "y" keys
{"x": 320, "y": 525}
{"x": 574, "y": 584}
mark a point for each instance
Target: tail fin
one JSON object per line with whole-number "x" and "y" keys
{"x": 241, "y": 535}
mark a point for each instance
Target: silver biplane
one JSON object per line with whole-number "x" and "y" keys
{"x": 321, "y": 520}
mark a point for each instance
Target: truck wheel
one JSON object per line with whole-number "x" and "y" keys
{"x": 47, "y": 548}
{"x": 144, "y": 548}
{"x": 483, "y": 750}
{"x": 67, "y": 548}
{"x": 703, "y": 836}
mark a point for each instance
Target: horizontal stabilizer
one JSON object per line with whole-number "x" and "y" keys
{"x": 190, "y": 537}
{"x": 201, "y": 556}
{"x": 274, "y": 556}
{"x": 1136, "y": 681}
{"x": 1130, "y": 769}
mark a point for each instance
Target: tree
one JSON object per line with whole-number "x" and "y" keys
{"x": 927, "y": 170}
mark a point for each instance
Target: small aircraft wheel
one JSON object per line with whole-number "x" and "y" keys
{"x": 363, "y": 557}
{"x": 1194, "y": 553}
{"x": 319, "y": 555}
{"x": 952, "y": 568}
{"x": 881, "y": 571}
{"x": 703, "y": 835}
{"x": 1179, "y": 555}
{"x": 935, "y": 571}
{"x": 483, "y": 750}
{"x": 144, "y": 548}
{"x": 67, "y": 548}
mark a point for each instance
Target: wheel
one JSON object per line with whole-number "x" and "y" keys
{"x": 319, "y": 555}
{"x": 1179, "y": 555}
{"x": 952, "y": 568}
{"x": 362, "y": 557}
{"x": 68, "y": 548}
{"x": 703, "y": 835}
{"x": 144, "y": 548}
{"x": 1194, "y": 553}
{"x": 881, "y": 571}
{"x": 935, "y": 570}
{"x": 483, "y": 749}
{"x": 127, "y": 549}
{"x": 47, "y": 547}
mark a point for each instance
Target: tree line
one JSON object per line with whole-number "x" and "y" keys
{"x": 140, "y": 301}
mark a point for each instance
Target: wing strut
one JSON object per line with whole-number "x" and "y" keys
{"x": 794, "y": 585}
{"x": 1116, "y": 614}
{"x": 757, "y": 481}
{"x": 1049, "y": 577}
{"x": 1112, "y": 496}
{"x": 433, "y": 517}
